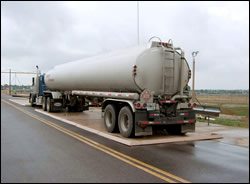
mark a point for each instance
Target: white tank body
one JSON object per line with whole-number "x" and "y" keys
{"x": 114, "y": 72}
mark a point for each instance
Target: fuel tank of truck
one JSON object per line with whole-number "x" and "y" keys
{"x": 131, "y": 70}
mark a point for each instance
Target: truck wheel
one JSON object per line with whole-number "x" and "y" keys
{"x": 126, "y": 122}
{"x": 110, "y": 118}
{"x": 49, "y": 109}
{"x": 31, "y": 100}
{"x": 44, "y": 105}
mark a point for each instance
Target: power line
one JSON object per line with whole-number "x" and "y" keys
{"x": 10, "y": 80}
{"x": 20, "y": 72}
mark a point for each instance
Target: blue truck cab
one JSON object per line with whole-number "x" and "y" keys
{"x": 38, "y": 88}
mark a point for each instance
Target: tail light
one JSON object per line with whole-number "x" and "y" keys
{"x": 140, "y": 105}
{"x": 137, "y": 105}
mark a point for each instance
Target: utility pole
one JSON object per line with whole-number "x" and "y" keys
{"x": 10, "y": 73}
{"x": 194, "y": 54}
{"x": 10, "y": 82}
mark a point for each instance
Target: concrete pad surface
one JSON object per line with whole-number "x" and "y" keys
{"x": 92, "y": 121}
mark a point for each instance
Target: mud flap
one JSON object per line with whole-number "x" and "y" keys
{"x": 188, "y": 127}
{"x": 139, "y": 131}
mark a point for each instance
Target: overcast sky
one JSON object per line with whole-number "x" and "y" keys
{"x": 51, "y": 33}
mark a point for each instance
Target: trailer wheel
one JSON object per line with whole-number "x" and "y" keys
{"x": 49, "y": 109}
{"x": 110, "y": 118}
{"x": 44, "y": 105}
{"x": 126, "y": 122}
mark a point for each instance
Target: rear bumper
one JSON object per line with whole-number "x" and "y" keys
{"x": 166, "y": 122}
{"x": 184, "y": 121}
{"x": 186, "y": 116}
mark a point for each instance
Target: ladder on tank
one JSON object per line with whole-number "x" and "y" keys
{"x": 168, "y": 72}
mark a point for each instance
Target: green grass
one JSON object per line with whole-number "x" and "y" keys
{"x": 234, "y": 110}
{"x": 238, "y": 111}
{"x": 229, "y": 122}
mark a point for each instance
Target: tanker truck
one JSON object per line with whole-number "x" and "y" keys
{"x": 141, "y": 89}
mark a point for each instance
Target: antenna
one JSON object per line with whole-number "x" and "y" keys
{"x": 138, "y": 40}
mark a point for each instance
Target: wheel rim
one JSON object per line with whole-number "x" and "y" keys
{"x": 108, "y": 119}
{"x": 124, "y": 122}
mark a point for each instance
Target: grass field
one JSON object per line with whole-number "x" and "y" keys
{"x": 243, "y": 123}
{"x": 237, "y": 110}
{"x": 224, "y": 99}
{"x": 235, "y": 106}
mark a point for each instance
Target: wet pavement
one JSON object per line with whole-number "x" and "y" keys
{"x": 231, "y": 135}
{"x": 34, "y": 152}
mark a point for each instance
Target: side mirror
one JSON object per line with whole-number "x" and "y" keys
{"x": 33, "y": 81}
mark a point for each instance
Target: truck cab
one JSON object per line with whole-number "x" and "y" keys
{"x": 38, "y": 88}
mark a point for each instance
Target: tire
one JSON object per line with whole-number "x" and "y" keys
{"x": 49, "y": 109}
{"x": 126, "y": 122}
{"x": 44, "y": 105}
{"x": 31, "y": 100}
{"x": 110, "y": 118}
{"x": 80, "y": 104}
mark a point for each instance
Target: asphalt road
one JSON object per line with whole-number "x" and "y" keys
{"x": 34, "y": 150}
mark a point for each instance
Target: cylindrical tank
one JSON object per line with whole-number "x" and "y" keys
{"x": 157, "y": 69}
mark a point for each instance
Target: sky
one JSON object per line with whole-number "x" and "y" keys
{"x": 51, "y": 33}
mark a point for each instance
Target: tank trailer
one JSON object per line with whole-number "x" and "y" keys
{"x": 140, "y": 89}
